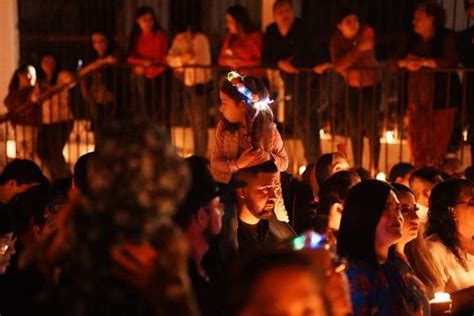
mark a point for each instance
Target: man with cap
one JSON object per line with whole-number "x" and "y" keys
{"x": 18, "y": 176}
{"x": 200, "y": 217}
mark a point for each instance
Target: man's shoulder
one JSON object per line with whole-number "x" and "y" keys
{"x": 271, "y": 31}
{"x": 281, "y": 230}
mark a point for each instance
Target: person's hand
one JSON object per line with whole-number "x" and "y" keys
{"x": 321, "y": 68}
{"x": 251, "y": 157}
{"x": 245, "y": 159}
{"x": 414, "y": 64}
{"x": 146, "y": 63}
{"x": 428, "y": 63}
{"x": 110, "y": 59}
{"x": 365, "y": 45}
{"x": 186, "y": 58}
{"x": 139, "y": 70}
{"x": 286, "y": 66}
{"x": 260, "y": 156}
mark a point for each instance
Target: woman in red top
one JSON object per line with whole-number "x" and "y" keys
{"x": 147, "y": 51}
{"x": 242, "y": 45}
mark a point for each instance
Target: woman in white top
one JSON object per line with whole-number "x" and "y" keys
{"x": 190, "y": 57}
{"x": 450, "y": 232}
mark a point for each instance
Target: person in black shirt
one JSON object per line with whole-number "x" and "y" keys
{"x": 465, "y": 46}
{"x": 200, "y": 217}
{"x": 257, "y": 227}
{"x": 287, "y": 46}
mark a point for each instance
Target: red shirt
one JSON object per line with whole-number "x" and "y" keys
{"x": 246, "y": 49}
{"x": 152, "y": 46}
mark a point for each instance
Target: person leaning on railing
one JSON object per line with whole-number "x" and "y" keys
{"x": 148, "y": 46}
{"x": 98, "y": 87}
{"x": 57, "y": 117}
{"x": 242, "y": 47}
{"x": 353, "y": 46}
{"x": 287, "y": 46}
{"x": 433, "y": 94}
{"x": 190, "y": 58}
{"x": 24, "y": 113}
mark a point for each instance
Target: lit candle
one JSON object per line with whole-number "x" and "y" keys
{"x": 441, "y": 304}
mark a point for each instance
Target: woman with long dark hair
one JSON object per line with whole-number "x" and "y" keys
{"x": 332, "y": 195}
{"x": 148, "y": 45}
{"x": 450, "y": 232}
{"x": 371, "y": 225}
{"x": 100, "y": 86}
{"x": 57, "y": 117}
{"x": 242, "y": 45}
{"x": 24, "y": 112}
{"x": 432, "y": 95}
{"x": 411, "y": 253}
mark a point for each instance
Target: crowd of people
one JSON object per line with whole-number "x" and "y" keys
{"x": 137, "y": 230}
{"x": 432, "y": 95}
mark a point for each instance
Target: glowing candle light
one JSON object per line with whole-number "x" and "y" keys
{"x": 381, "y": 176}
{"x": 389, "y": 137}
{"x": 301, "y": 169}
{"x": 11, "y": 149}
{"x": 441, "y": 304}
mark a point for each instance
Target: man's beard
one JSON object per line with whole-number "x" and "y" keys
{"x": 265, "y": 213}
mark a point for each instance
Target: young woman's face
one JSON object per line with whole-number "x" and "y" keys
{"x": 389, "y": 228}
{"x": 48, "y": 64}
{"x": 464, "y": 213}
{"x": 422, "y": 22}
{"x": 100, "y": 43}
{"x": 411, "y": 221}
{"x": 231, "y": 24}
{"x": 146, "y": 22}
{"x": 233, "y": 111}
{"x": 349, "y": 26}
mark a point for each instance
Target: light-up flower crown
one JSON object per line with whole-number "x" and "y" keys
{"x": 252, "y": 98}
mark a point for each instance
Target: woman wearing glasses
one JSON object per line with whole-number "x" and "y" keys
{"x": 450, "y": 232}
